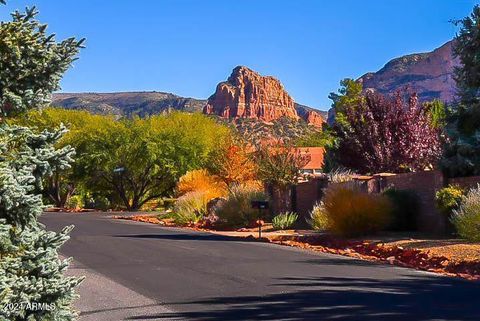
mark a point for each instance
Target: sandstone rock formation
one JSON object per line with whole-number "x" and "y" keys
{"x": 429, "y": 74}
{"x": 311, "y": 116}
{"x": 247, "y": 94}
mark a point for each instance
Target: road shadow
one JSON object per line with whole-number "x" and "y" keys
{"x": 187, "y": 237}
{"x": 342, "y": 298}
{"x": 336, "y": 259}
{"x": 132, "y": 307}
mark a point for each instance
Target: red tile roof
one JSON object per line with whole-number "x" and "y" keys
{"x": 316, "y": 156}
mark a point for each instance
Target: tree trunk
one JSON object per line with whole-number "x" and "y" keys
{"x": 54, "y": 190}
{"x": 135, "y": 206}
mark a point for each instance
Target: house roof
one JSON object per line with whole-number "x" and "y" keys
{"x": 316, "y": 156}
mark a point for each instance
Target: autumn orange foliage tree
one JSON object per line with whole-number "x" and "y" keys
{"x": 201, "y": 180}
{"x": 233, "y": 164}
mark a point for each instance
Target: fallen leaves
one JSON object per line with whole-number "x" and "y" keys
{"x": 141, "y": 218}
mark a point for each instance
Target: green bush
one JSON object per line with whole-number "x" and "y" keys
{"x": 102, "y": 203}
{"x": 75, "y": 202}
{"x": 236, "y": 210}
{"x": 319, "y": 218}
{"x": 466, "y": 218}
{"x": 405, "y": 209}
{"x": 169, "y": 203}
{"x": 448, "y": 199}
{"x": 190, "y": 209}
{"x": 284, "y": 221}
{"x": 93, "y": 201}
{"x": 352, "y": 212}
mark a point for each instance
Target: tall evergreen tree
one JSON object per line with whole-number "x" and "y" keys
{"x": 349, "y": 94}
{"x": 467, "y": 49}
{"x": 462, "y": 155}
{"x": 32, "y": 284}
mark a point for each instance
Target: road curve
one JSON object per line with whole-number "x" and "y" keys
{"x": 200, "y": 276}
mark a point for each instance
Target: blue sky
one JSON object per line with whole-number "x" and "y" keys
{"x": 186, "y": 47}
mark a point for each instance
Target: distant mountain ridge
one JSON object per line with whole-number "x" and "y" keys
{"x": 127, "y": 103}
{"x": 141, "y": 103}
{"x": 429, "y": 74}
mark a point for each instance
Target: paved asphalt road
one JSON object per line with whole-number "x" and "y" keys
{"x": 200, "y": 276}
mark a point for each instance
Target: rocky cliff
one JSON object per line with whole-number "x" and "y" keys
{"x": 311, "y": 116}
{"x": 429, "y": 74}
{"x": 247, "y": 94}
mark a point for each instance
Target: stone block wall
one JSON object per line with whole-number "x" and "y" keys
{"x": 425, "y": 184}
{"x": 306, "y": 194}
{"x": 465, "y": 182}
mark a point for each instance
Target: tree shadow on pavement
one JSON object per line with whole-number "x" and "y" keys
{"x": 337, "y": 259}
{"x": 409, "y": 298}
{"x": 186, "y": 237}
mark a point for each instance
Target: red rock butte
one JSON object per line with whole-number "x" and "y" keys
{"x": 247, "y": 94}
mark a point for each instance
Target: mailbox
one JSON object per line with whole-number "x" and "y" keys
{"x": 261, "y": 205}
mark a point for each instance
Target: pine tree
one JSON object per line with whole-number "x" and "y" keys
{"x": 349, "y": 94}
{"x": 32, "y": 284}
{"x": 462, "y": 154}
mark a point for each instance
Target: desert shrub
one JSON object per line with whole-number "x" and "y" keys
{"x": 168, "y": 203}
{"x": 253, "y": 184}
{"x": 405, "y": 209}
{"x": 466, "y": 218}
{"x": 147, "y": 206}
{"x": 352, "y": 212}
{"x": 340, "y": 175}
{"x": 189, "y": 209}
{"x": 448, "y": 199}
{"x": 319, "y": 217}
{"x": 284, "y": 221}
{"x": 236, "y": 210}
{"x": 201, "y": 181}
{"x": 99, "y": 201}
{"x": 102, "y": 203}
{"x": 75, "y": 202}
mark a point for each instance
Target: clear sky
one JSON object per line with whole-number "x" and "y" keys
{"x": 186, "y": 47}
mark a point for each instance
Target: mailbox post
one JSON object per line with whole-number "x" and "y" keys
{"x": 260, "y": 205}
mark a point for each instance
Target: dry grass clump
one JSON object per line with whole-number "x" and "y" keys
{"x": 236, "y": 209}
{"x": 201, "y": 181}
{"x": 466, "y": 218}
{"x": 352, "y": 212}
